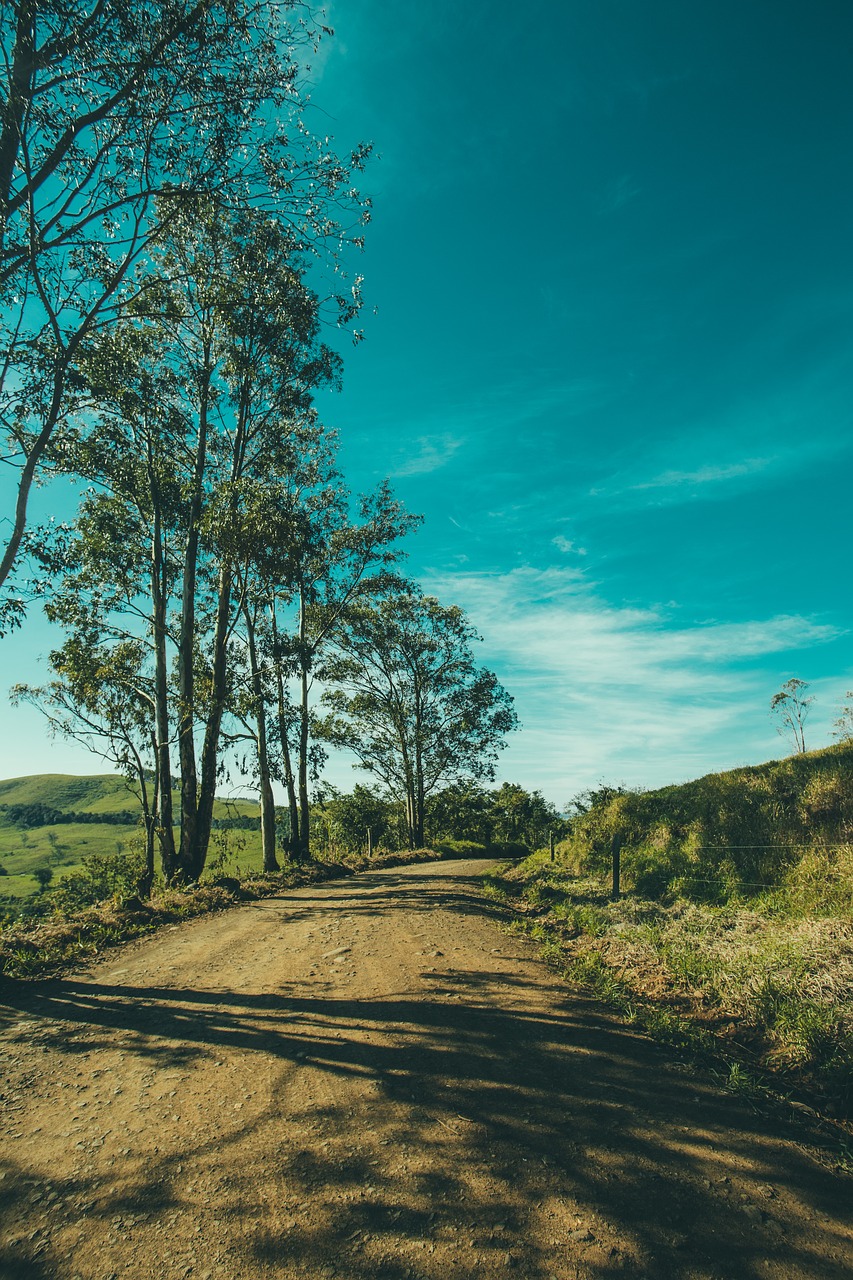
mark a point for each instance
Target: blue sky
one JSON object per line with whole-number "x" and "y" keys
{"x": 611, "y": 361}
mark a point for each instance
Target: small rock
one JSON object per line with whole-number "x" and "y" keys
{"x": 581, "y": 1233}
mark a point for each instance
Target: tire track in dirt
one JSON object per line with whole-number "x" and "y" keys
{"x": 370, "y": 1078}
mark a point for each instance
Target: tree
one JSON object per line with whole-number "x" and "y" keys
{"x": 215, "y": 501}
{"x": 410, "y": 701}
{"x": 204, "y": 409}
{"x": 524, "y": 817}
{"x": 335, "y": 563}
{"x": 463, "y": 811}
{"x": 115, "y": 118}
{"x": 791, "y": 707}
{"x": 42, "y": 877}
{"x": 101, "y": 698}
{"x": 843, "y": 726}
{"x": 350, "y": 817}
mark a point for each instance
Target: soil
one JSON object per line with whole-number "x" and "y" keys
{"x": 372, "y": 1078}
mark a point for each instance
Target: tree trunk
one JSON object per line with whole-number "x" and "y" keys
{"x": 304, "y": 844}
{"x": 266, "y": 793}
{"x": 151, "y": 817}
{"x": 162, "y": 755}
{"x": 411, "y": 822}
{"x": 286, "y": 759}
{"x": 210, "y": 747}
{"x": 20, "y": 94}
{"x": 187, "y": 855}
{"x": 418, "y": 780}
{"x": 304, "y": 808}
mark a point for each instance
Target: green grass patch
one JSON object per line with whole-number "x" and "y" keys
{"x": 757, "y": 986}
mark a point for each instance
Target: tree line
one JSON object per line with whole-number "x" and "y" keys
{"x": 174, "y": 247}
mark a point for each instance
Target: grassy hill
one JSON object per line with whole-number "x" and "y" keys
{"x": 62, "y": 845}
{"x": 733, "y": 937}
{"x": 745, "y": 829}
{"x": 100, "y": 793}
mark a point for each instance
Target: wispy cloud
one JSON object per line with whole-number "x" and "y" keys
{"x": 619, "y": 692}
{"x": 710, "y": 474}
{"x": 427, "y": 453}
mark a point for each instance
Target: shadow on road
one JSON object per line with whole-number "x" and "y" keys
{"x": 545, "y": 1094}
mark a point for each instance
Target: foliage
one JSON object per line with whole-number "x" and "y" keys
{"x": 791, "y": 707}
{"x": 409, "y": 701}
{"x": 116, "y": 119}
{"x": 726, "y": 835}
{"x": 43, "y": 877}
{"x": 101, "y": 876}
{"x": 350, "y": 816}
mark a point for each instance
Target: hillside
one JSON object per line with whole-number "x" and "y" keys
{"x": 743, "y": 829}
{"x": 98, "y": 793}
{"x": 733, "y": 935}
{"x": 61, "y": 846}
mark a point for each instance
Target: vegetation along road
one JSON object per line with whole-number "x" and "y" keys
{"x": 372, "y": 1078}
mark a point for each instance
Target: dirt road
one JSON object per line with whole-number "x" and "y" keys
{"x": 372, "y": 1079}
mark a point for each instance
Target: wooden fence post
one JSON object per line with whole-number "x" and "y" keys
{"x": 551, "y": 844}
{"x": 370, "y": 842}
{"x": 616, "y": 849}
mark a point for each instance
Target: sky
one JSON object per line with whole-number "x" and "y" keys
{"x": 608, "y": 355}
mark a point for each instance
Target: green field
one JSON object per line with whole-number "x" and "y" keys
{"x": 62, "y": 846}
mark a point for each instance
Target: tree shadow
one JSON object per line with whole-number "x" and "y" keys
{"x": 479, "y": 1121}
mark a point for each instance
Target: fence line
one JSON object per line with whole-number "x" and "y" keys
{"x": 843, "y": 844}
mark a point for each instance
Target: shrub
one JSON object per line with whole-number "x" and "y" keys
{"x": 102, "y": 876}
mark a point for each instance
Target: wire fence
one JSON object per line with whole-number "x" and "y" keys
{"x": 727, "y": 879}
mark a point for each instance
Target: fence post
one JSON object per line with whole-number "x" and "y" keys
{"x": 616, "y": 849}
{"x": 551, "y": 843}
{"x": 370, "y": 842}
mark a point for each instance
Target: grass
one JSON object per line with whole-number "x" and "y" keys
{"x": 63, "y": 846}
{"x": 763, "y": 987}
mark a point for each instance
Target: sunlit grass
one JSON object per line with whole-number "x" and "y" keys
{"x": 770, "y": 979}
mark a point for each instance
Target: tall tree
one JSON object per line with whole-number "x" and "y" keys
{"x": 314, "y": 560}
{"x": 114, "y": 118}
{"x": 205, "y": 403}
{"x": 410, "y": 701}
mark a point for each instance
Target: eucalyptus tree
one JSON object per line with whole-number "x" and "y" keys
{"x": 790, "y": 707}
{"x": 204, "y": 401}
{"x": 101, "y": 695}
{"x": 114, "y": 118}
{"x": 314, "y": 559}
{"x": 122, "y": 560}
{"x": 251, "y": 698}
{"x": 339, "y": 564}
{"x": 249, "y": 350}
{"x": 410, "y": 702}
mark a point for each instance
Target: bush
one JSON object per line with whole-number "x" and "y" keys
{"x": 102, "y": 876}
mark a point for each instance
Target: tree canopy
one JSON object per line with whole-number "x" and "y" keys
{"x": 410, "y": 702}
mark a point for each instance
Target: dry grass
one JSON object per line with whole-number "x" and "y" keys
{"x": 772, "y": 977}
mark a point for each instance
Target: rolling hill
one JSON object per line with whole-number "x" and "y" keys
{"x": 62, "y": 845}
